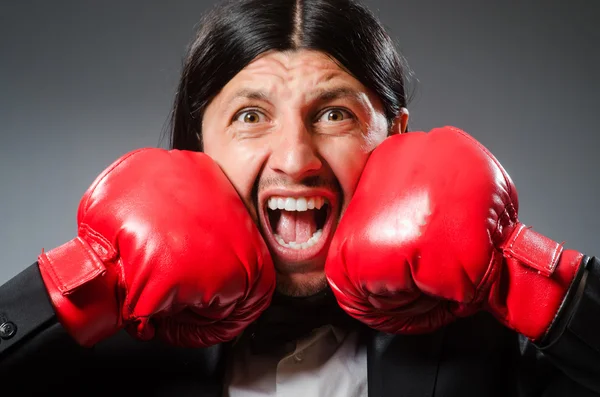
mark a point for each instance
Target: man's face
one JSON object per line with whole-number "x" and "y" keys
{"x": 293, "y": 131}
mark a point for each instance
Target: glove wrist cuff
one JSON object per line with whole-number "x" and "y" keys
{"x": 82, "y": 290}
{"x": 530, "y": 291}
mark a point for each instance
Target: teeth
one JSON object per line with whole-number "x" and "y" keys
{"x": 290, "y": 204}
{"x": 299, "y": 246}
{"x": 301, "y": 204}
{"x": 296, "y": 204}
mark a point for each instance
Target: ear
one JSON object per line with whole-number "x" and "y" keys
{"x": 400, "y": 122}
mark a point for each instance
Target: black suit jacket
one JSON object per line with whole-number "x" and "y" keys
{"x": 474, "y": 356}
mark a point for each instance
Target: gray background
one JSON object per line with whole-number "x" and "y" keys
{"x": 83, "y": 82}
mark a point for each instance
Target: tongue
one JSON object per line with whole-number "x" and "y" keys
{"x": 296, "y": 226}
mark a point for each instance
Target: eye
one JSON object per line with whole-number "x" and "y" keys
{"x": 335, "y": 115}
{"x": 249, "y": 117}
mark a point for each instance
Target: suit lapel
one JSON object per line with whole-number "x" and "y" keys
{"x": 168, "y": 370}
{"x": 403, "y": 365}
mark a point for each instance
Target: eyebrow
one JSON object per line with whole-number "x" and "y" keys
{"x": 251, "y": 94}
{"x": 325, "y": 94}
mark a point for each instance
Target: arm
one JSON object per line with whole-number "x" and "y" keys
{"x": 447, "y": 242}
{"x": 30, "y": 334}
{"x": 141, "y": 261}
{"x": 52, "y": 360}
{"x": 573, "y": 342}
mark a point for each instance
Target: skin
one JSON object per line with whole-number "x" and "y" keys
{"x": 295, "y": 123}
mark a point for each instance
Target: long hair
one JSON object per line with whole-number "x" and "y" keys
{"x": 235, "y": 32}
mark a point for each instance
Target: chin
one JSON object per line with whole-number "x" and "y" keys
{"x": 301, "y": 285}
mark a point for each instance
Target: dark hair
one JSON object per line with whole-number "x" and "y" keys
{"x": 235, "y": 32}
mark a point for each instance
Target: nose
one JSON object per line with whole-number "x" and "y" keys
{"x": 295, "y": 153}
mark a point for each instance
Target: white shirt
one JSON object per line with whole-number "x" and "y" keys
{"x": 328, "y": 363}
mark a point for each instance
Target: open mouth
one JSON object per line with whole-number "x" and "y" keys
{"x": 297, "y": 228}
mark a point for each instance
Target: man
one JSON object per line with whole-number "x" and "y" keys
{"x": 315, "y": 247}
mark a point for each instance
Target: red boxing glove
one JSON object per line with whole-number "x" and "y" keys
{"x": 165, "y": 247}
{"x": 432, "y": 234}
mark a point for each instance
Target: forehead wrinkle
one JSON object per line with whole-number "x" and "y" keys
{"x": 288, "y": 76}
{"x": 269, "y": 58}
